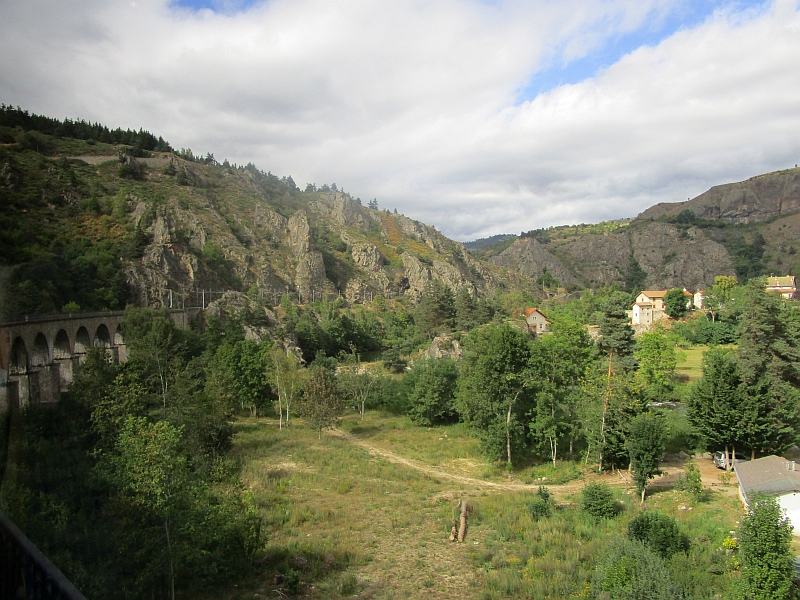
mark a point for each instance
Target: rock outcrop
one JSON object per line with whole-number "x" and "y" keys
{"x": 530, "y": 258}
{"x": 756, "y": 199}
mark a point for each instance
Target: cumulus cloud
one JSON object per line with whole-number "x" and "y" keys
{"x": 416, "y": 102}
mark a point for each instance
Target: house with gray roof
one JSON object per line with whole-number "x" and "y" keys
{"x": 773, "y": 476}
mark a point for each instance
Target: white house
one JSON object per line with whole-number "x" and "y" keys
{"x": 536, "y": 320}
{"x": 774, "y": 476}
{"x": 697, "y": 299}
{"x": 649, "y": 307}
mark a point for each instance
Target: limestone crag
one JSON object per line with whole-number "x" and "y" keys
{"x": 445, "y": 346}
{"x": 270, "y": 222}
{"x": 342, "y": 210}
{"x": 417, "y": 274}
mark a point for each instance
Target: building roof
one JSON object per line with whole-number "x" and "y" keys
{"x": 789, "y": 281}
{"x": 654, "y": 293}
{"x": 650, "y": 304}
{"x": 768, "y": 475}
{"x": 529, "y": 311}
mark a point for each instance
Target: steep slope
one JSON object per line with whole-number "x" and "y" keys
{"x": 160, "y": 229}
{"x": 670, "y": 256}
{"x": 759, "y": 198}
{"x": 746, "y": 229}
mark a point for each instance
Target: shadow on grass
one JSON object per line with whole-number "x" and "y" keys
{"x": 363, "y": 431}
{"x": 299, "y": 566}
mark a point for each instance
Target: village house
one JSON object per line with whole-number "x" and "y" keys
{"x": 774, "y": 476}
{"x": 785, "y": 286}
{"x": 697, "y": 299}
{"x": 649, "y": 307}
{"x": 536, "y": 320}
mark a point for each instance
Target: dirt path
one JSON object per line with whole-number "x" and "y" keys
{"x": 439, "y": 473}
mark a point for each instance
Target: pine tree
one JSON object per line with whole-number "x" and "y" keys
{"x": 616, "y": 341}
{"x": 716, "y": 404}
{"x": 769, "y": 365}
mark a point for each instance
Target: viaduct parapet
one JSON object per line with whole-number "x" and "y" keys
{"x": 40, "y": 354}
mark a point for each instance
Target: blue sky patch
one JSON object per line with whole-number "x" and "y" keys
{"x": 220, "y": 6}
{"x": 689, "y": 15}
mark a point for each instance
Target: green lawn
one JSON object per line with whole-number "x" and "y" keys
{"x": 690, "y": 363}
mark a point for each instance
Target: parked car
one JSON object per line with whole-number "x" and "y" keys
{"x": 719, "y": 459}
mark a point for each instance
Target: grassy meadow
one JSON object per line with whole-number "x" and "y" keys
{"x": 366, "y": 512}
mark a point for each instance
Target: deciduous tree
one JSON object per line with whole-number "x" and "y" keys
{"x": 675, "y": 303}
{"x": 765, "y": 538}
{"x": 321, "y": 403}
{"x": 431, "y": 399}
{"x": 287, "y": 377}
{"x": 492, "y": 397}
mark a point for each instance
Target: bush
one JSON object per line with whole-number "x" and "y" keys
{"x": 658, "y": 532}
{"x": 597, "y": 500}
{"x": 431, "y": 399}
{"x": 630, "y": 571}
{"x": 541, "y": 506}
{"x": 692, "y": 482}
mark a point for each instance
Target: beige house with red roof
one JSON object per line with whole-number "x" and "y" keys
{"x": 649, "y": 307}
{"x": 536, "y": 320}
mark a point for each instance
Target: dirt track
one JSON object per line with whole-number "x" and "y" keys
{"x": 672, "y": 470}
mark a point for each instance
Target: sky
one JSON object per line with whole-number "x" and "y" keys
{"x": 476, "y": 116}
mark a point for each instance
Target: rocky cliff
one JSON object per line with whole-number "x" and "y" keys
{"x": 670, "y": 256}
{"x": 758, "y": 199}
{"x": 233, "y": 232}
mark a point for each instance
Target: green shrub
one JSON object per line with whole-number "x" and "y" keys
{"x": 291, "y": 581}
{"x": 659, "y": 532}
{"x": 692, "y": 482}
{"x": 630, "y": 571}
{"x": 542, "y": 504}
{"x": 597, "y": 500}
{"x": 348, "y": 585}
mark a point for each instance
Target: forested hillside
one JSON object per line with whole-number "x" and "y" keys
{"x": 96, "y": 219}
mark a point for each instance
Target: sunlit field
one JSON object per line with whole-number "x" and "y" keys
{"x": 367, "y": 510}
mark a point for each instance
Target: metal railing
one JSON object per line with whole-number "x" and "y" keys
{"x": 26, "y": 573}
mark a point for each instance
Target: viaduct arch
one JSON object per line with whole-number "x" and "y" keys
{"x": 40, "y": 354}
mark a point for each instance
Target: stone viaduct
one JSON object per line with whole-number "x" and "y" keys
{"x": 40, "y": 354}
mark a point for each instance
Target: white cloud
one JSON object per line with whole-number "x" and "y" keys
{"x": 414, "y": 102}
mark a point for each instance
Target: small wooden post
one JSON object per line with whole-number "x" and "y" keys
{"x": 462, "y": 530}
